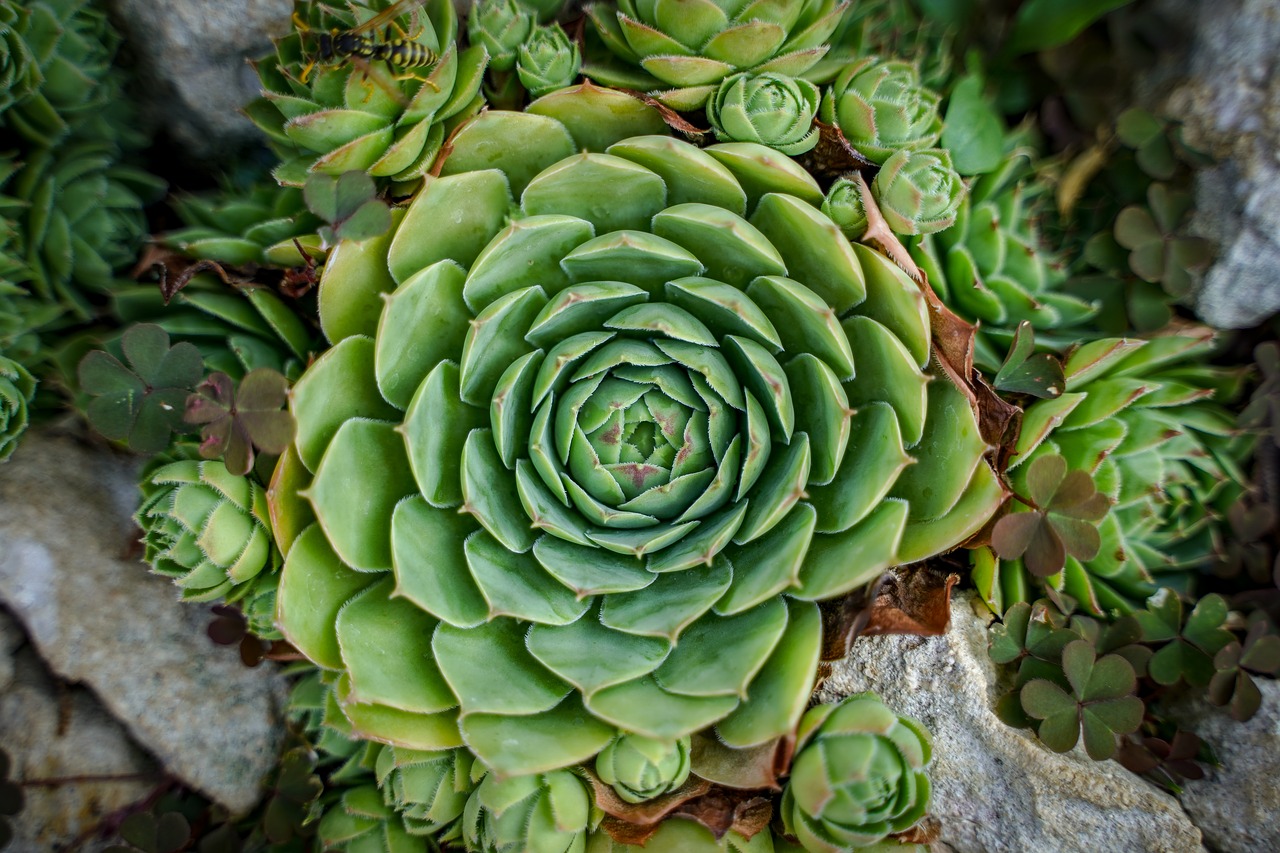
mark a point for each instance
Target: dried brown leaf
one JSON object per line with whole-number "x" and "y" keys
{"x": 913, "y": 600}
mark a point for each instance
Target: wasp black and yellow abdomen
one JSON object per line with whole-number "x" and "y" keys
{"x": 407, "y": 54}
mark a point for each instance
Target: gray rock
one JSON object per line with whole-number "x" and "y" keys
{"x": 99, "y": 618}
{"x": 191, "y": 57}
{"x": 1236, "y": 805}
{"x": 53, "y": 732}
{"x": 1227, "y": 92}
{"x": 996, "y": 788}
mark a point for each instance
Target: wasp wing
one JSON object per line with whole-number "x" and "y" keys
{"x": 387, "y": 15}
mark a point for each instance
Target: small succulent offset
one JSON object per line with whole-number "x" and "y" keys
{"x": 17, "y": 387}
{"x": 918, "y": 192}
{"x": 360, "y": 821}
{"x": 641, "y": 768}
{"x": 428, "y": 789}
{"x": 844, "y": 204}
{"x": 548, "y": 60}
{"x": 882, "y": 109}
{"x": 500, "y": 27}
{"x": 206, "y": 528}
{"x": 684, "y": 51}
{"x": 859, "y": 776}
{"x": 771, "y": 109}
{"x": 543, "y": 813}
{"x": 646, "y": 412}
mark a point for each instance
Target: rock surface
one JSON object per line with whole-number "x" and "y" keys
{"x": 53, "y": 732}
{"x": 1236, "y": 805}
{"x": 996, "y": 788}
{"x": 191, "y": 57}
{"x": 99, "y": 618}
{"x": 1227, "y": 91}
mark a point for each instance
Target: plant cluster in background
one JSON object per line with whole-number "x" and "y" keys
{"x": 566, "y": 359}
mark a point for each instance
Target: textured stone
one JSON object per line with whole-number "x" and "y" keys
{"x": 997, "y": 788}
{"x": 53, "y": 732}
{"x": 98, "y": 617}
{"x": 1236, "y": 805}
{"x": 191, "y": 57}
{"x": 1226, "y": 90}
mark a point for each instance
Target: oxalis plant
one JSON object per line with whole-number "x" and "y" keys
{"x": 585, "y": 368}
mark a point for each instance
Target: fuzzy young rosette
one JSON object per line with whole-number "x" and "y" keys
{"x": 882, "y": 108}
{"x": 17, "y": 386}
{"x": 844, "y": 204}
{"x": 683, "y": 50}
{"x": 918, "y": 192}
{"x": 500, "y": 27}
{"x": 340, "y": 115}
{"x": 542, "y": 813}
{"x": 859, "y": 776}
{"x": 205, "y": 528}
{"x": 547, "y": 61}
{"x": 582, "y": 464}
{"x": 360, "y": 822}
{"x": 1145, "y": 419}
{"x": 429, "y": 790}
{"x": 641, "y": 768}
{"x": 771, "y": 109}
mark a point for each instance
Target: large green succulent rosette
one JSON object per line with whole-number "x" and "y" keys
{"x": 580, "y": 464}
{"x": 680, "y": 51}
{"x": 1146, "y": 419}
{"x": 335, "y": 117}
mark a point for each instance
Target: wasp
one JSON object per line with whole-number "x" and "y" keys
{"x": 360, "y": 44}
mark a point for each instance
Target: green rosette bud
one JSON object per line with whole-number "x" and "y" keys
{"x": 641, "y": 768}
{"x": 360, "y": 822}
{"x": 858, "y": 776}
{"x": 17, "y": 387}
{"x": 501, "y": 27}
{"x": 549, "y": 60}
{"x": 680, "y": 53}
{"x": 843, "y": 203}
{"x": 544, "y": 813}
{"x": 204, "y": 527}
{"x": 771, "y": 109}
{"x": 638, "y": 436}
{"x": 429, "y": 789}
{"x": 882, "y": 108}
{"x": 919, "y": 192}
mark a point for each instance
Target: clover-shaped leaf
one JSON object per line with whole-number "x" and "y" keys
{"x": 1026, "y": 371}
{"x": 1165, "y": 762}
{"x": 349, "y": 203}
{"x": 1063, "y": 519}
{"x": 1159, "y": 251}
{"x": 238, "y": 420}
{"x": 140, "y": 404}
{"x": 168, "y": 833}
{"x": 1188, "y": 650}
{"x": 1232, "y": 684}
{"x": 1099, "y": 706}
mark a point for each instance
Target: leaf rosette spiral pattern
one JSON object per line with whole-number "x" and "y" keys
{"x": 581, "y": 464}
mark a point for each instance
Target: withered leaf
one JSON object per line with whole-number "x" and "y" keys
{"x": 913, "y": 600}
